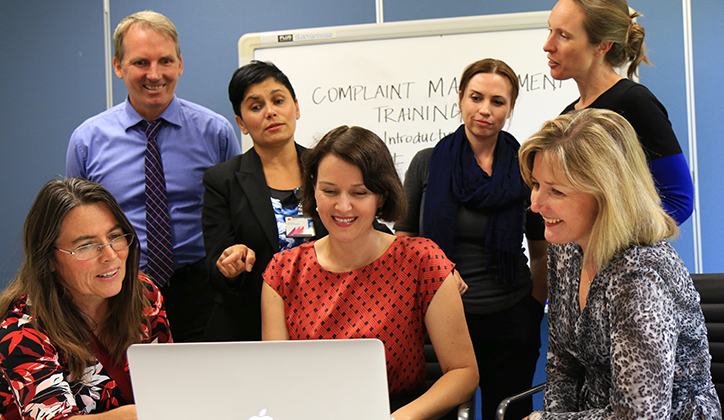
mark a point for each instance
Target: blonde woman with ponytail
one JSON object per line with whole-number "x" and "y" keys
{"x": 627, "y": 338}
{"x": 588, "y": 39}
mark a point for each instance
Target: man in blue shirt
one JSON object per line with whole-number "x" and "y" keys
{"x": 109, "y": 148}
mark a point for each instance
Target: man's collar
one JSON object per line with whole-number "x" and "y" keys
{"x": 171, "y": 114}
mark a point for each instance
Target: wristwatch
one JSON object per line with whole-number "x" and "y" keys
{"x": 536, "y": 415}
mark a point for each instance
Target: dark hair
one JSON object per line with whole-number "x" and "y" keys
{"x": 365, "y": 150}
{"x": 49, "y": 299}
{"x": 610, "y": 20}
{"x": 492, "y": 66}
{"x": 251, "y": 74}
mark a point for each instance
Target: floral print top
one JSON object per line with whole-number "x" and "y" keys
{"x": 34, "y": 382}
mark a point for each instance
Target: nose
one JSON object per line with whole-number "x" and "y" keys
{"x": 153, "y": 73}
{"x": 548, "y": 45}
{"x": 107, "y": 252}
{"x": 535, "y": 200}
{"x": 484, "y": 108}
{"x": 270, "y": 111}
{"x": 343, "y": 203}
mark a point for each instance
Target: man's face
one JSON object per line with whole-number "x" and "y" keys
{"x": 150, "y": 69}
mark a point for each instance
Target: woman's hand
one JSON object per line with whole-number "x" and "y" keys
{"x": 235, "y": 260}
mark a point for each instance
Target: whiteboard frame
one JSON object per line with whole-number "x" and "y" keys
{"x": 250, "y": 42}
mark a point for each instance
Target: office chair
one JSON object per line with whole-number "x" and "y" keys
{"x": 711, "y": 289}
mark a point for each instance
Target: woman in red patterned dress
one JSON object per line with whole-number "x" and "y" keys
{"x": 76, "y": 305}
{"x": 358, "y": 282}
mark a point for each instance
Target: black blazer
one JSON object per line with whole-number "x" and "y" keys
{"x": 237, "y": 210}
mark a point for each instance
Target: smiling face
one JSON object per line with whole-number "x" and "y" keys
{"x": 268, "y": 114}
{"x": 90, "y": 282}
{"x": 486, "y": 104}
{"x": 570, "y": 53}
{"x": 150, "y": 69}
{"x": 569, "y": 214}
{"x": 345, "y": 205}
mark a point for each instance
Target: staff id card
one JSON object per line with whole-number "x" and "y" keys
{"x": 299, "y": 227}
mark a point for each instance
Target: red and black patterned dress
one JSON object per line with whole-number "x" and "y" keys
{"x": 386, "y": 299}
{"x": 34, "y": 382}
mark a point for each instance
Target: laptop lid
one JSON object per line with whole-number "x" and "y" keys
{"x": 268, "y": 380}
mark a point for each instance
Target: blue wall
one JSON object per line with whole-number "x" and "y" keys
{"x": 52, "y": 78}
{"x": 708, "y": 32}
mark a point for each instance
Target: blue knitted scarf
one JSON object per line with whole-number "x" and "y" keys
{"x": 455, "y": 179}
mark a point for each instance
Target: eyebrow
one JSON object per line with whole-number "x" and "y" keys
{"x": 494, "y": 96}
{"x": 334, "y": 185}
{"x": 257, "y": 97}
{"x": 142, "y": 58}
{"x": 87, "y": 237}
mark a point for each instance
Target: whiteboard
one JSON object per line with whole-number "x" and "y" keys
{"x": 400, "y": 79}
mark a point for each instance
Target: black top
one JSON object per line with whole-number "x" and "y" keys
{"x": 473, "y": 260}
{"x": 644, "y": 112}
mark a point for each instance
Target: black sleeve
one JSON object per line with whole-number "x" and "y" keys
{"x": 650, "y": 121}
{"x": 216, "y": 222}
{"x": 415, "y": 184}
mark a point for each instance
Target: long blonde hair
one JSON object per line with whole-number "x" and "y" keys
{"x": 596, "y": 151}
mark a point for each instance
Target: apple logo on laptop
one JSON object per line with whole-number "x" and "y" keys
{"x": 262, "y": 416}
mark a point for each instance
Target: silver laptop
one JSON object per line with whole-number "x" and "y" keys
{"x": 269, "y": 380}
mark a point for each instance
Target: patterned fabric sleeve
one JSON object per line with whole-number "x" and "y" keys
{"x": 434, "y": 269}
{"x": 562, "y": 369}
{"x": 642, "y": 355}
{"x": 642, "y": 347}
{"x": 159, "y": 331}
{"x": 30, "y": 365}
{"x": 33, "y": 372}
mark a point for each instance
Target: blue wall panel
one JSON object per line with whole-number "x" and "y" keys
{"x": 666, "y": 78}
{"x": 708, "y": 33}
{"x": 51, "y": 79}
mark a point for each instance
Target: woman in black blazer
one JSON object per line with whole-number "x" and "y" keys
{"x": 251, "y": 202}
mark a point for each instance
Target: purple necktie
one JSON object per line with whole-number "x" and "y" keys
{"x": 158, "y": 225}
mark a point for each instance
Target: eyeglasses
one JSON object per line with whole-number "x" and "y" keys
{"x": 90, "y": 251}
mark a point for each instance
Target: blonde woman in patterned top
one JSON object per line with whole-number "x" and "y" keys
{"x": 627, "y": 335}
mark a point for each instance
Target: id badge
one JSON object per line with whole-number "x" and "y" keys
{"x": 299, "y": 227}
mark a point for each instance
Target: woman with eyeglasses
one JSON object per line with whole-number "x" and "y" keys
{"x": 76, "y": 305}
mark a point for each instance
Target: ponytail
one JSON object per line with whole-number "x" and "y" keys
{"x": 634, "y": 47}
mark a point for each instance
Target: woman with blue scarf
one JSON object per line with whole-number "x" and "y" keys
{"x": 467, "y": 195}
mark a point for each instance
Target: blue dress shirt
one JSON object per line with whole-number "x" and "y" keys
{"x": 109, "y": 149}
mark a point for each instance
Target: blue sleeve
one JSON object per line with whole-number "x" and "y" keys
{"x": 74, "y": 159}
{"x": 232, "y": 144}
{"x": 673, "y": 180}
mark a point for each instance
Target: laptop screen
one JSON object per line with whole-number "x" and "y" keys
{"x": 269, "y": 380}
